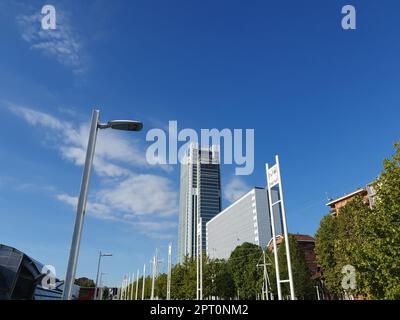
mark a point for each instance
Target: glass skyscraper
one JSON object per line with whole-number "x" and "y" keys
{"x": 200, "y": 196}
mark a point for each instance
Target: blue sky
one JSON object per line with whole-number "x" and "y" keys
{"x": 326, "y": 100}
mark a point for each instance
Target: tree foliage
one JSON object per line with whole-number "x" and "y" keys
{"x": 85, "y": 282}
{"x": 324, "y": 248}
{"x": 367, "y": 239}
{"x": 247, "y": 277}
{"x": 303, "y": 285}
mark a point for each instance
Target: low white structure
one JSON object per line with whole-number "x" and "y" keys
{"x": 245, "y": 220}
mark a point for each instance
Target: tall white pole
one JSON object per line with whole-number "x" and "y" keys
{"x": 101, "y": 289}
{"x": 278, "y": 277}
{"x": 285, "y": 230}
{"x": 156, "y": 269}
{"x": 97, "y": 277}
{"x": 199, "y": 261}
{"x": 169, "y": 271}
{"x": 133, "y": 280}
{"x": 153, "y": 269}
{"x": 199, "y": 249}
{"x": 127, "y": 288}
{"x": 81, "y": 208}
{"x": 122, "y": 286}
{"x": 318, "y": 296}
{"x": 137, "y": 284}
{"x": 265, "y": 278}
{"x": 144, "y": 280}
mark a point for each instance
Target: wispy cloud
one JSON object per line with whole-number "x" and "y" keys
{"x": 61, "y": 44}
{"x": 132, "y": 195}
{"x": 124, "y": 195}
{"x": 235, "y": 188}
{"x": 113, "y": 149}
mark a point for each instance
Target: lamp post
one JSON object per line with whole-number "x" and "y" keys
{"x": 101, "y": 284}
{"x": 98, "y": 270}
{"x": 127, "y": 125}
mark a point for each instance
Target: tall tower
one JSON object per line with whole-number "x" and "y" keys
{"x": 200, "y": 196}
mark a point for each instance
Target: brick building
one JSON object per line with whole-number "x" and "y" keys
{"x": 306, "y": 245}
{"x": 367, "y": 193}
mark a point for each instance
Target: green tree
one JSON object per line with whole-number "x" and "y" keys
{"x": 217, "y": 279}
{"x": 381, "y": 251}
{"x": 367, "y": 239}
{"x": 351, "y": 239}
{"x": 246, "y": 276}
{"x": 303, "y": 285}
{"x": 183, "y": 280}
{"x": 224, "y": 284}
{"x": 325, "y": 238}
{"x": 85, "y": 282}
{"x": 161, "y": 286}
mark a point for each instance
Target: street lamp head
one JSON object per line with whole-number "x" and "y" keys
{"x": 106, "y": 254}
{"x": 127, "y": 125}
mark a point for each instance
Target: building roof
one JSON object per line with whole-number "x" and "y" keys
{"x": 303, "y": 237}
{"x": 349, "y": 195}
{"x": 298, "y": 237}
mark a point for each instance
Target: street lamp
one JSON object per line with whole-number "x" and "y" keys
{"x": 98, "y": 269}
{"x": 101, "y": 284}
{"x": 127, "y": 125}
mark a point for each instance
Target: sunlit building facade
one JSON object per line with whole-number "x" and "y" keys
{"x": 245, "y": 220}
{"x": 200, "y": 196}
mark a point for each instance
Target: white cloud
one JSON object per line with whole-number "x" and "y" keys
{"x": 124, "y": 195}
{"x": 235, "y": 188}
{"x": 142, "y": 194}
{"x": 158, "y": 228}
{"x": 35, "y": 117}
{"x": 61, "y": 43}
{"x": 113, "y": 149}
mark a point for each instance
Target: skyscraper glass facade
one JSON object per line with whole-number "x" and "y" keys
{"x": 200, "y": 196}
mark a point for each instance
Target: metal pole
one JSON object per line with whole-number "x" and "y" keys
{"x": 133, "y": 280}
{"x": 198, "y": 245}
{"x": 271, "y": 212}
{"x": 285, "y": 230}
{"x": 123, "y": 288}
{"x": 155, "y": 270}
{"x": 127, "y": 288}
{"x": 137, "y": 284}
{"x": 265, "y": 279}
{"x": 197, "y": 262}
{"x": 318, "y": 296}
{"x": 201, "y": 259}
{"x": 169, "y": 272}
{"x": 81, "y": 209}
{"x": 144, "y": 279}
{"x": 97, "y": 277}
{"x": 120, "y": 292}
{"x": 101, "y": 286}
{"x": 153, "y": 277}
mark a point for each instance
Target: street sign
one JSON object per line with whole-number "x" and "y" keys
{"x": 273, "y": 176}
